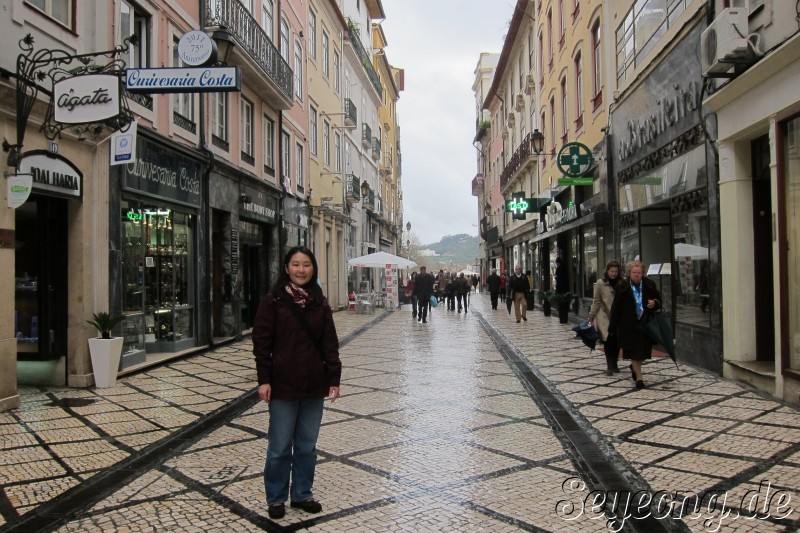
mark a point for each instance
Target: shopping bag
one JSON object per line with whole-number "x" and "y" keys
{"x": 434, "y": 301}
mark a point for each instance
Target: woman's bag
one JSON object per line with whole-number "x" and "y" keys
{"x": 434, "y": 301}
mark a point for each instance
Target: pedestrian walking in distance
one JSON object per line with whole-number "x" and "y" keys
{"x": 297, "y": 363}
{"x": 519, "y": 288}
{"x": 411, "y": 294}
{"x": 600, "y": 311}
{"x": 450, "y": 293}
{"x": 635, "y": 302}
{"x": 462, "y": 291}
{"x": 423, "y": 288}
{"x": 493, "y": 284}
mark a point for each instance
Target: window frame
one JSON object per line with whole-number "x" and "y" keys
{"x": 326, "y": 64}
{"x": 579, "y": 109}
{"x": 286, "y": 158}
{"x": 181, "y": 101}
{"x": 312, "y": 34}
{"x": 219, "y": 116}
{"x": 284, "y": 39}
{"x": 268, "y": 126}
{"x": 298, "y": 70}
{"x": 326, "y": 142}
{"x": 299, "y": 169}
{"x": 246, "y": 133}
{"x": 47, "y": 11}
{"x": 268, "y": 19}
{"x": 141, "y": 25}
{"x": 313, "y": 137}
{"x": 337, "y": 67}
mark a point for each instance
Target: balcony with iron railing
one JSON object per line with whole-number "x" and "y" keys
{"x": 376, "y": 148}
{"x": 369, "y": 201}
{"x": 523, "y": 158}
{"x": 366, "y": 61}
{"x": 366, "y": 135}
{"x": 352, "y": 189}
{"x": 262, "y": 60}
{"x": 350, "y": 113}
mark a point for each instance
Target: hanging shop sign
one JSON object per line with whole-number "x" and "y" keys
{"x": 123, "y": 146}
{"x": 568, "y": 182}
{"x": 19, "y": 188}
{"x": 163, "y": 173}
{"x": 52, "y": 174}
{"x": 196, "y": 48}
{"x": 86, "y": 99}
{"x": 184, "y": 80}
{"x": 575, "y": 160}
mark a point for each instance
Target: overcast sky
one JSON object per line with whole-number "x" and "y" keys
{"x": 438, "y": 43}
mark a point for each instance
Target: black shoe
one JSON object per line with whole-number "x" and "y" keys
{"x": 424, "y": 321}
{"x": 419, "y": 319}
{"x": 640, "y": 384}
{"x": 277, "y": 511}
{"x": 609, "y": 372}
{"x": 517, "y": 321}
{"x": 633, "y": 373}
{"x": 615, "y": 370}
{"x": 309, "y": 506}
{"x": 525, "y": 319}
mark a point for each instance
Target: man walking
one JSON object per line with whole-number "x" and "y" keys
{"x": 423, "y": 288}
{"x": 462, "y": 291}
{"x": 519, "y": 288}
{"x": 493, "y": 283}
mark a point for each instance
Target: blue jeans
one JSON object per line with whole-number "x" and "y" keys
{"x": 293, "y": 431}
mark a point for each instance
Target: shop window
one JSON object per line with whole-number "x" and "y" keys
{"x": 790, "y": 284}
{"x": 590, "y": 260}
{"x": 629, "y": 239}
{"x": 691, "y": 266}
{"x": 157, "y": 277}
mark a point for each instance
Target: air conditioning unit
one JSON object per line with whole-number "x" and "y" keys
{"x": 724, "y": 42}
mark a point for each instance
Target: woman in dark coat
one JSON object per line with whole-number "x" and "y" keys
{"x": 298, "y": 366}
{"x": 635, "y": 302}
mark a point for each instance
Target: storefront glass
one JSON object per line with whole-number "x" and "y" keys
{"x": 157, "y": 277}
{"x": 690, "y": 248}
{"x": 629, "y": 240}
{"x": 590, "y": 259}
{"x": 791, "y": 206}
{"x": 682, "y": 174}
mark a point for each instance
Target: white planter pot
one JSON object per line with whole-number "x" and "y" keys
{"x": 106, "y": 354}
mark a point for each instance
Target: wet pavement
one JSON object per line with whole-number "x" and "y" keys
{"x": 469, "y": 422}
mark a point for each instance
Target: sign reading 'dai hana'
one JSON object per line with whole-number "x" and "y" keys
{"x": 183, "y": 80}
{"x": 53, "y": 175}
{"x": 86, "y": 99}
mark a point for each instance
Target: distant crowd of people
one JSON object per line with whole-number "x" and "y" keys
{"x": 447, "y": 287}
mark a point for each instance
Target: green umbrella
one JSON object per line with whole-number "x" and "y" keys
{"x": 659, "y": 329}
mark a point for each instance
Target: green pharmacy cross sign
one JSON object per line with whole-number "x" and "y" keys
{"x": 575, "y": 160}
{"x": 518, "y": 206}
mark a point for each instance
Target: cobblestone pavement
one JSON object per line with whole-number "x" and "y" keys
{"x": 469, "y": 422}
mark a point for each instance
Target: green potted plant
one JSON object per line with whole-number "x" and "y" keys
{"x": 562, "y": 301}
{"x": 105, "y": 350}
{"x": 544, "y": 300}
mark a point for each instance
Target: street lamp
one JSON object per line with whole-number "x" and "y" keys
{"x": 537, "y": 141}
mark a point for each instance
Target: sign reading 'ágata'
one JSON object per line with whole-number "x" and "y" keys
{"x": 183, "y": 80}
{"x": 85, "y": 99}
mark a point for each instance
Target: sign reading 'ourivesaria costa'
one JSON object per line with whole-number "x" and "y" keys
{"x": 183, "y": 80}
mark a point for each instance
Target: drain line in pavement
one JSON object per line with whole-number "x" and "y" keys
{"x": 74, "y": 502}
{"x": 589, "y": 458}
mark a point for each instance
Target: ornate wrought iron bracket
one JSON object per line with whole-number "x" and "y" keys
{"x": 56, "y": 65}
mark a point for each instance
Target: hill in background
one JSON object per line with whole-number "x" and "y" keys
{"x": 461, "y": 249}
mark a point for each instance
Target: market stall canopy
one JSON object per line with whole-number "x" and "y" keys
{"x": 690, "y": 250}
{"x": 380, "y": 260}
{"x": 468, "y": 272}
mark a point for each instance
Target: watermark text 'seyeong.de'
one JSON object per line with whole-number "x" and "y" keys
{"x": 714, "y": 508}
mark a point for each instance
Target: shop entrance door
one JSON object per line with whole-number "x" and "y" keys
{"x": 40, "y": 318}
{"x": 762, "y": 251}
{"x": 251, "y": 287}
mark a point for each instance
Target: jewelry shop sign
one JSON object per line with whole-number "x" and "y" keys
{"x": 183, "y": 80}
{"x": 86, "y": 99}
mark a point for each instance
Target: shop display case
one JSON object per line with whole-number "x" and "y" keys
{"x": 157, "y": 277}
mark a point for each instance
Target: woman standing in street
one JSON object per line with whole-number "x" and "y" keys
{"x": 297, "y": 361}
{"x": 599, "y": 313}
{"x": 635, "y": 302}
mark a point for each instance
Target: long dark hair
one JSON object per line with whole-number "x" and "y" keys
{"x": 611, "y": 264}
{"x": 312, "y": 286}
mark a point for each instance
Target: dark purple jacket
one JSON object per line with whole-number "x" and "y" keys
{"x": 285, "y": 355}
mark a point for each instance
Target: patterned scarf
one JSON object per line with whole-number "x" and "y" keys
{"x": 637, "y": 295}
{"x": 298, "y": 294}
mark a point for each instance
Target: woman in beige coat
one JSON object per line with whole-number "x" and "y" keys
{"x": 599, "y": 313}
